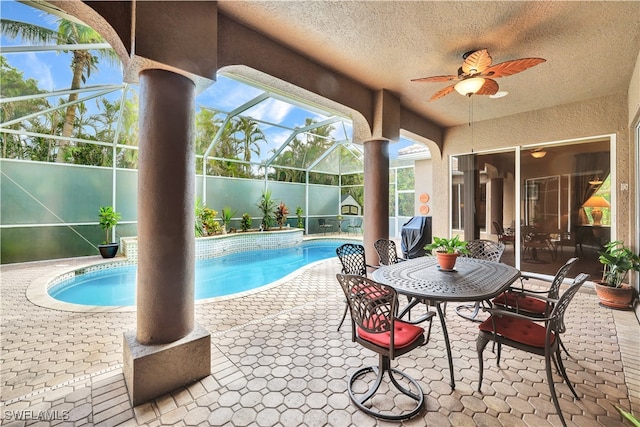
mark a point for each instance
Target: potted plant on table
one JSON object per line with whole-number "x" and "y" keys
{"x": 447, "y": 251}
{"x": 617, "y": 260}
{"x": 108, "y": 219}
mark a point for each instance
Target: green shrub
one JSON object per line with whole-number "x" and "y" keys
{"x": 245, "y": 222}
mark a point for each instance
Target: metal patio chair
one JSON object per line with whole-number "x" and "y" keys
{"x": 528, "y": 334}
{"x": 352, "y": 258}
{"x": 324, "y": 225}
{"x": 535, "y": 303}
{"x": 503, "y": 236}
{"x": 387, "y": 251}
{"x": 373, "y": 307}
{"x": 355, "y": 225}
{"x": 480, "y": 249}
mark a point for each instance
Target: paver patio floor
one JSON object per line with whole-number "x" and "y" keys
{"x": 277, "y": 359}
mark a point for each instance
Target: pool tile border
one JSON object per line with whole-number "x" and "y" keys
{"x": 225, "y": 244}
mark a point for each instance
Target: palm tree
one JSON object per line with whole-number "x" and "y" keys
{"x": 300, "y": 153}
{"x": 83, "y": 62}
{"x": 251, "y": 135}
{"x": 318, "y": 140}
{"x": 107, "y": 118}
{"x": 128, "y": 158}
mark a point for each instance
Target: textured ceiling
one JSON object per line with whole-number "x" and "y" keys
{"x": 590, "y": 47}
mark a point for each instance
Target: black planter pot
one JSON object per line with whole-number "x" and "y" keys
{"x": 108, "y": 250}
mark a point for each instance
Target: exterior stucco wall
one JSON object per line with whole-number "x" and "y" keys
{"x": 585, "y": 119}
{"x": 634, "y": 93}
{"x": 423, "y": 184}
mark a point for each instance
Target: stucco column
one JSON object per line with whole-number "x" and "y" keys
{"x": 376, "y": 196}
{"x": 166, "y": 184}
{"x": 467, "y": 164}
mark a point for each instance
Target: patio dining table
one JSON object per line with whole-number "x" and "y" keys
{"x": 471, "y": 280}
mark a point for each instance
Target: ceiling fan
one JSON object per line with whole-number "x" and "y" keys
{"x": 476, "y": 75}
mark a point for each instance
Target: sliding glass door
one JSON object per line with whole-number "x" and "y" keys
{"x": 564, "y": 208}
{"x": 483, "y": 199}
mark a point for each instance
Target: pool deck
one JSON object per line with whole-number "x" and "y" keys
{"x": 277, "y": 359}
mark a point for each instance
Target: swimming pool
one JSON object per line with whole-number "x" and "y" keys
{"x": 214, "y": 277}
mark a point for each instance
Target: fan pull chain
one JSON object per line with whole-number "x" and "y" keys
{"x": 471, "y": 119}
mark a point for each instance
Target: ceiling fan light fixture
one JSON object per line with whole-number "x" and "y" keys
{"x": 468, "y": 87}
{"x": 538, "y": 153}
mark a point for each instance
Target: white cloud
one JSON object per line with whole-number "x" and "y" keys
{"x": 271, "y": 110}
{"x": 226, "y": 94}
{"x": 39, "y": 70}
{"x": 278, "y": 136}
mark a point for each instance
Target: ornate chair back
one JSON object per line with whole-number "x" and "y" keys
{"x": 485, "y": 249}
{"x": 556, "y": 324}
{"x": 387, "y": 252}
{"x": 352, "y": 258}
{"x": 561, "y": 274}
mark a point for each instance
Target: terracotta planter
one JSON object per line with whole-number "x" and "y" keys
{"x": 621, "y": 298}
{"x": 446, "y": 261}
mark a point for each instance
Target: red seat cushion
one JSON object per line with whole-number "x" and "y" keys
{"x": 404, "y": 335}
{"x": 520, "y": 330}
{"x": 523, "y": 303}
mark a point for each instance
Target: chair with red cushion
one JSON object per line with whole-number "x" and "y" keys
{"x": 373, "y": 307}
{"x": 529, "y": 334}
{"x": 529, "y": 301}
{"x": 535, "y": 303}
{"x": 352, "y": 258}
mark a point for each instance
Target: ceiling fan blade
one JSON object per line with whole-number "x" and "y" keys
{"x": 490, "y": 87}
{"x": 439, "y": 94}
{"x": 509, "y": 68}
{"x": 436, "y": 79}
{"x": 476, "y": 62}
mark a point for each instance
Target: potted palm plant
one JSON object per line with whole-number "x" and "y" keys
{"x": 447, "y": 251}
{"x": 108, "y": 219}
{"x": 617, "y": 260}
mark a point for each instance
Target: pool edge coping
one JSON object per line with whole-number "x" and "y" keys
{"x": 37, "y": 292}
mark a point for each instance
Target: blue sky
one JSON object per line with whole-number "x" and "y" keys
{"x": 52, "y": 71}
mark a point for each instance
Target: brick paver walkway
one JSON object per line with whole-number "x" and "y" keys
{"x": 278, "y": 360}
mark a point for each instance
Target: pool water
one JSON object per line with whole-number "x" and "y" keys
{"x": 214, "y": 277}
